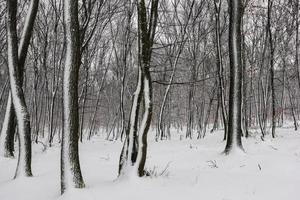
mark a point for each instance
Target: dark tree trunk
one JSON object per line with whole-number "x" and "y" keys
{"x": 70, "y": 167}
{"x": 234, "y": 121}
{"x": 297, "y": 42}
{"x": 270, "y": 2}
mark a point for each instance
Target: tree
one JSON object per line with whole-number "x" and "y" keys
{"x": 9, "y": 124}
{"x": 218, "y": 4}
{"x": 17, "y": 94}
{"x": 234, "y": 120}
{"x": 134, "y": 150}
{"x": 70, "y": 167}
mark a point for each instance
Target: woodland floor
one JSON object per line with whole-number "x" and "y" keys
{"x": 185, "y": 169}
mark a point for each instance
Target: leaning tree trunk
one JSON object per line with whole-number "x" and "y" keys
{"x": 70, "y": 167}
{"x": 17, "y": 95}
{"x": 234, "y": 121}
{"x": 9, "y": 125}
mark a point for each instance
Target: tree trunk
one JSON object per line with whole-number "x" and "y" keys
{"x": 146, "y": 33}
{"x": 8, "y": 130}
{"x": 9, "y": 125}
{"x": 70, "y": 167}
{"x": 270, "y": 2}
{"x": 220, "y": 67}
{"x": 234, "y": 121}
{"x": 129, "y": 150}
{"x": 297, "y": 42}
{"x": 17, "y": 95}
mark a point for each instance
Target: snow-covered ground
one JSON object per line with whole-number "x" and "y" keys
{"x": 185, "y": 169}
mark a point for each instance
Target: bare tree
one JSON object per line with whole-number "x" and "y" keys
{"x": 9, "y": 124}
{"x": 134, "y": 151}
{"x": 17, "y": 95}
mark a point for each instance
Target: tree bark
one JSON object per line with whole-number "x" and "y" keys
{"x": 146, "y": 33}
{"x": 17, "y": 95}
{"x": 270, "y": 2}
{"x": 9, "y": 125}
{"x": 234, "y": 121}
{"x": 70, "y": 167}
{"x": 220, "y": 66}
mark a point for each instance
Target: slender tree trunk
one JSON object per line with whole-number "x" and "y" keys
{"x": 8, "y": 130}
{"x": 129, "y": 150}
{"x": 244, "y": 85}
{"x": 292, "y": 104}
{"x": 2, "y": 93}
{"x": 190, "y": 110}
{"x": 161, "y": 127}
{"x": 281, "y": 120}
{"x": 270, "y": 2}
{"x": 297, "y": 42}
{"x": 216, "y": 117}
{"x": 126, "y": 51}
{"x": 93, "y": 118}
{"x": 220, "y": 67}
{"x": 84, "y": 102}
{"x": 122, "y": 110}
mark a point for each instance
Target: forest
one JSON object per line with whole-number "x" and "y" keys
{"x": 166, "y": 99}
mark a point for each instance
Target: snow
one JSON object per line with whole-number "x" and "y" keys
{"x": 185, "y": 169}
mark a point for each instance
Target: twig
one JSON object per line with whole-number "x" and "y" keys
{"x": 167, "y": 166}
